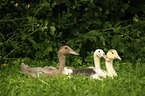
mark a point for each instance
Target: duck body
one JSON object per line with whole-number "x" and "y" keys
{"x": 85, "y": 71}
{"x": 29, "y": 71}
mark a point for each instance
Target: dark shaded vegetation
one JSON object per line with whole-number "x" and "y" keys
{"x": 37, "y": 28}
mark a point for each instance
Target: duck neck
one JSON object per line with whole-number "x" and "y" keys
{"x": 110, "y": 69}
{"x": 97, "y": 62}
{"x": 61, "y": 62}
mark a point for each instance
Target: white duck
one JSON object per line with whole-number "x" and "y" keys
{"x": 97, "y": 56}
{"x": 49, "y": 71}
{"x": 93, "y": 72}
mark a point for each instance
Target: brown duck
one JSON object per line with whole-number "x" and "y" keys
{"x": 49, "y": 70}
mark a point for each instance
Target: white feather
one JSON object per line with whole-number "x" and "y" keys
{"x": 67, "y": 71}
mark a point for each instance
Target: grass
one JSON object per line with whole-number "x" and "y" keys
{"x": 130, "y": 82}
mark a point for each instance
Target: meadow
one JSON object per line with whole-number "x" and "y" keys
{"x": 129, "y": 82}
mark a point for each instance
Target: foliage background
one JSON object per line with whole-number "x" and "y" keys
{"x": 37, "y": 28}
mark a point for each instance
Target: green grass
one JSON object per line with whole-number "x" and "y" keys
{"x": 130, "y": 82}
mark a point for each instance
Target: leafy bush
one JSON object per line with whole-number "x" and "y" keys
{"x": 36, "y": 29}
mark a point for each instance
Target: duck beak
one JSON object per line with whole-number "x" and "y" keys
{"x": 117, "y": 57}
{"x": 73, "y": 52}
{"x": 105, "y": 57}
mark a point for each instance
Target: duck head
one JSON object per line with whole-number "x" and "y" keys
{"x": 100, "y": 53}
{"x": 64, "y": 50}
{"x": 112, "y": 54}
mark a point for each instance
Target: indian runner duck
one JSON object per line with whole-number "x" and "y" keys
{"x": 50, "y": 70}
{"x": 111, "y": 55}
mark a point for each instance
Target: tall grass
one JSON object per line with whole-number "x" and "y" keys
{"x": 130, "y": 82}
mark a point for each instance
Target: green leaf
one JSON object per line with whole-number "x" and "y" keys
{"x": 52, "y": 30}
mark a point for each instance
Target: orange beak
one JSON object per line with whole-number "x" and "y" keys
{"x": 104, "y": 56}
{"x": 74, "y": 53}
{"x": 117, "y": 57}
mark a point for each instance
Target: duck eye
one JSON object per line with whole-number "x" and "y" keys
{"x": 65, "y": 47}
{"x": 112, "y": 52}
